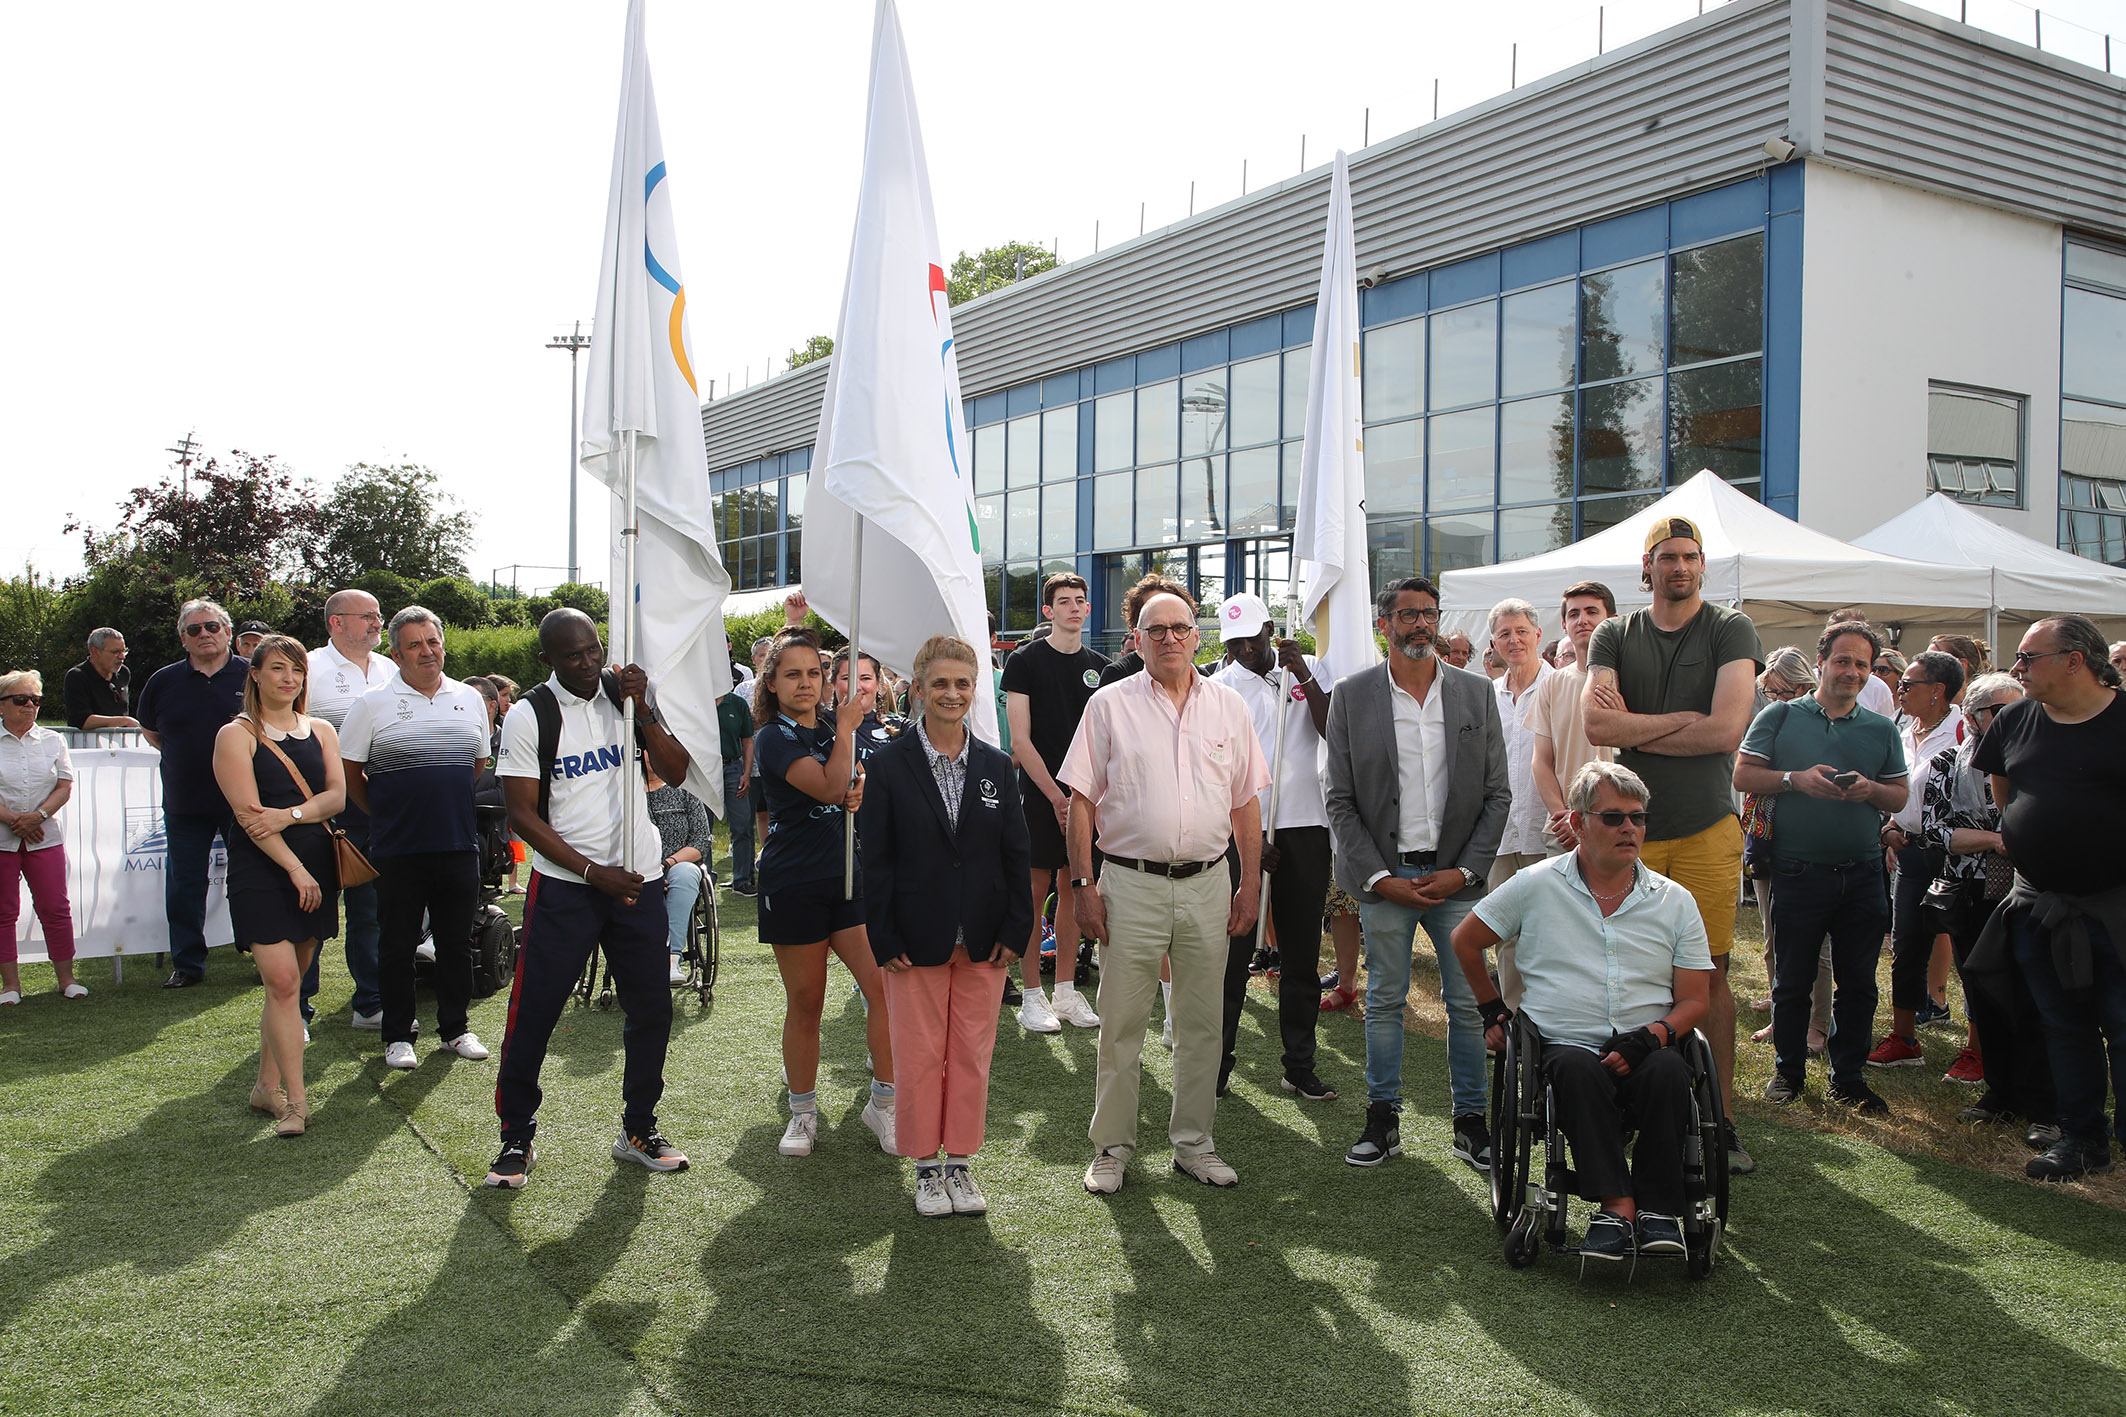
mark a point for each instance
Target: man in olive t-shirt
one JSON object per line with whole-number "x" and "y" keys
{"x": 1671, "y": 688}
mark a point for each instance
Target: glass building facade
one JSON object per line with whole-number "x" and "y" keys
{"x": 2093, "y": 402}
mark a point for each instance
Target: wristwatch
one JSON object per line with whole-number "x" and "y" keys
{"x": 1786, "y": 782}
{"x": 1467, "y": 874}
{"x": 1080, "y": 882}
{"x": 295, "y": 813}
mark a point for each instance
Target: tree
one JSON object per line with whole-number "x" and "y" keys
{"x": 995, "y": 268}
{"x": 236, "y": 528}
{"x": 817, "y": 347}
{"x": 394, "y": 518}
{"x": 457, "y": 600}
{"x": 587, "y": 598}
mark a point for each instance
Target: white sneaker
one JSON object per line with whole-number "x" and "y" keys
{"x": 306, "y": 1035}
{"x": 880, "y": 1121}
{"x": 367, "y": 1023}
{"x": 1072, "y": 1009}
{"x": 1207, "y": 1168}
{"x": 931, "y": 1197}
{"x": 74, "y": 991}
{"x": 679, "y": 969}
{"x": 400, "y": 1055}
{"x": 1104, "y": 1176}
{"x": 425, "y": 951}
{"x": 1166, "y": 1034}
{"x": 797, "y": 1138}
{"x": 11, "y": 996}
{"x": 1035, "y": 1016}
{"x": 967, "y": 1197}
{"x": 468, "y": 1045}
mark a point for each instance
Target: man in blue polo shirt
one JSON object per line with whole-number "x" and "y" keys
{"x": 412, "y": 748}
{"x": 181, "y": 708}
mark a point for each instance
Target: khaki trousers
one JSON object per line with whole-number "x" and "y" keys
{"x": 1150, "y": 917}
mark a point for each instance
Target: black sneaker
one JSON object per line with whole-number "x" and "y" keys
{"x": 1472, "y": 1140}
{"x": 180, "y": 980}
{"x": 2042, "y": 1136}
{"x": 1782, "y": 1089}
{"x": 652, "y": 1151}
{"x": 1739, "y": 1162}
{"x": 512, "y": 1165}
{"x": 1932, "y": 1014}
{"x": 1260, "y": 964}
{"x": 1659, "y": 1234}
{"x": 1609, "y": 1237}
{"x": 1013, "y": 996}
{"x": 1308, "y": 1087}
{"x": 1382, "y": 1138}
{"x": 2069, "y": 1159}
{"x": 747, "y": 889}
{"x": 1861, "y": 1098}
{"x": 1986, "y": 1110}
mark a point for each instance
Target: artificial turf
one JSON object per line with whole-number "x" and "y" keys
{"x": 161, "y": 1252}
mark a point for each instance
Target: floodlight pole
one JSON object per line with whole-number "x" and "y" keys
{"x": 575, "y": 343}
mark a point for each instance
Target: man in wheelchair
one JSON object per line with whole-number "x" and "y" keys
{"x": 1615, "y": 970}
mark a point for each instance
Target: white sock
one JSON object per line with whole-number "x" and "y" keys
{"x": 1034, "y": 991}
{"x": 1166, "y": 995}
{"x": 1064, "y": 989}
{"x": 959, "y": 1161}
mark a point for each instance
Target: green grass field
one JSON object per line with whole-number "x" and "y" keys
{"x": 162, "y": 1253}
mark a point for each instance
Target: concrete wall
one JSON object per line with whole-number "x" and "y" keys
{"x": 1900, "y": 287}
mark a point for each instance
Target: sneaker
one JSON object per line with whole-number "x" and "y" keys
{"x": 679, "y": 969}
{"x": 425, "y": 951}
{"x": 1382, "y": 1138}
{"x": 1073, "y": 1010}
{"x": 967, "y": 1197}
{"x": 180, "y": 980}
{"x": 400, "y": 1055}
{"x": 469, "y": 1046}
{"x": 1739, "y": 1162}
{"x": 1659, "y": 1234}
{"x": 1782, "y": 1089}
{"x": 931, "y": 1197}
{"x": 1932, "y": 1014}
{"x": 1896, "y": 1052}
{"x": 1166, "y": 1034}
{"x": 1308, "y": 1087}
{"x": 1207, "y": 1168}
{"x": 1472, "y": 1140}
{"x": 512, "y": 1165}
{"x": 306, "y": 1035}
{"x": 1968, "y": 1069}
{"x": 1861, "y": 1098}
{"x": 1609, "y": 1237}
{"x": 652, "y": 1151}
{"x": 1264, "y": 960}
{"x": 366, "y": 1023}
{"x": 2070, "y": 1159}
{"x": 1104, "y": 1176}
{"x": 1013, "y": 995}
{"x": 1035, "y": 1016}
{"x": 10, "y": 997}
{"x": 1985, "y": 1111}
{"x": 2042, "y": 1136}
{"x": 797, "y": 1138}
{"x": 880, "y": 1120}
{"x": 745, "y": 888}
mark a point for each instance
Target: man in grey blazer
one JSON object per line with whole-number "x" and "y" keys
{"x": 1417, "y": 797}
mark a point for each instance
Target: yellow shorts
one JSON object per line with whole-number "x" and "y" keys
{"x": 1709, "y": 866}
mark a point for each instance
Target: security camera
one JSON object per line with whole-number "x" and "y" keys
{"x": 1779, "y": 149}
{"x": 1370, "y": 278}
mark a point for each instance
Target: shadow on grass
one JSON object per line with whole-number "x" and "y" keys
{"x": 115, "y": 1021}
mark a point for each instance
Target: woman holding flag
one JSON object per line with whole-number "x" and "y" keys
{"x": 807, "y": 758}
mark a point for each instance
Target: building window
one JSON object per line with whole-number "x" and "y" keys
{"x": 2093, "y": 403}
{"x": 1975, "y": 445}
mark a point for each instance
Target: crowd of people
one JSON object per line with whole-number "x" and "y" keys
{"x": 1569, "y": 826}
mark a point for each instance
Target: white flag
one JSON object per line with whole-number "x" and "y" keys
{"x": 890, "y": 462}
{"x": 642, "y": 380}
{"x": 1329, "y": 535}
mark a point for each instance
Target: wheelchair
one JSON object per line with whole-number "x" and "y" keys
{"x": 703, "y": 955}
{"x": 1529, "y": 1201}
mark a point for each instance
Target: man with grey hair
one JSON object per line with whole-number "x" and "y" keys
{"x": 1614, "y": 968}
{"x": 343, "y": 669}
{"x": 412, "y": 747}
{"x": 98, "y": 690}
{"x": 182, "y": 707}
{"x": 1516, "y": 638}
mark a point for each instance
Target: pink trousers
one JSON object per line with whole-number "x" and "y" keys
{"x": 47, "y": 872}
{"x": 943, "y": 1019}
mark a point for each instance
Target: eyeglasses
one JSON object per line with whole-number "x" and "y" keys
{"x": 1163, "y": 633}
{"x": 1907, "y": 684}
{"x": 25, "y": 700}
{"x": 1618, "y": 819}
{"x": 1408, "y": 616}
{"x": 2025, "y": 658}
{"x": 207, "y": 628}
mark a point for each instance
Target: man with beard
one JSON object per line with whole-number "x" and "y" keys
{"x": 1417, "y": 799}
{"x": 1671, "y": 688}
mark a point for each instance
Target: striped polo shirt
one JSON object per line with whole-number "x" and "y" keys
{"x": 421, "y": 755}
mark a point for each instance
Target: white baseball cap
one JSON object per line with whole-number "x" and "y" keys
{"x": 1242, "y": 615}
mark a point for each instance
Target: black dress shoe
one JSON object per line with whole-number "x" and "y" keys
{"x": 180, "y": 980}
{"x": 1012, "y": 995}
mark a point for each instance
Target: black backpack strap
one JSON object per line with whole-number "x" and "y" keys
{"x": 548, "y": 713}
{"x": 610, "y": 679}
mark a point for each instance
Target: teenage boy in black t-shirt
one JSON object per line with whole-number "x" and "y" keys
{"x": 1046, "y": 685}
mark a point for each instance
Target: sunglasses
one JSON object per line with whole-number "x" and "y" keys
{"x": 1904, "y": 685}
{"x": 1618, "y": 819}
{"x": 210, "y": 627}
{"x": 25, "y": 700}
{"x": 2025, "y": 658}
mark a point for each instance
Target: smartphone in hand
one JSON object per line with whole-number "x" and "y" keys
{"x": 1845, "y": 779}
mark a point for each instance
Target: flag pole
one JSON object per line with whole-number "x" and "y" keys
{"x": 630, "y": 782}
{"x": 1269, "y": 826}
{"x": 856, "y": 670}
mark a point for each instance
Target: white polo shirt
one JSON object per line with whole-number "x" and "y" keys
{"x": 1299, "y": 796}
{"x": 30, "y": 767}
{"x": 420, "y": 754}
{"x": 335, "y": 683}
{"x": 585, "y": 801}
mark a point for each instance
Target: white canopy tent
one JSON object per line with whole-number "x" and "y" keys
{"x": 2025, "y": 579}
{"x": 1781, "y": 574}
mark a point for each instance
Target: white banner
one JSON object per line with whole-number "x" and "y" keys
{"x": 115, "y": 861}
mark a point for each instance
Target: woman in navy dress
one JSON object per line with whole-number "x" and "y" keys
{"x": 283, "y": 880}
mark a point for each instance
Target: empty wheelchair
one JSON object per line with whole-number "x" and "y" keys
{"x": 1532, "y": 1179}
{"x": 702, "y": 956}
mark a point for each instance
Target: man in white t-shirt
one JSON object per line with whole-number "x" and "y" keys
{"x": 572, "y": 811}
{"x": 343, "y": 669}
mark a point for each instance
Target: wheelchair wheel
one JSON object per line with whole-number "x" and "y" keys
{"x": 1705, "y": 1166}
{"x": 1523, "y": 1245}
{"x": 1510, "y": 1137}
{"x": 587, "y": 983}
{"x": 494, "y": 952}
{"x": 704, "y": 944}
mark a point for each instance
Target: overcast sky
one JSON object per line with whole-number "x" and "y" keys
{"x": 346, "y": 234}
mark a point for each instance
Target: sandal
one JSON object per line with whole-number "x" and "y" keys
{"x": 273, "y": 1103}
{"x": 1341, "y": 997}
{"x": 1762, "y": 1035}
{"x": 74, "y": 991}
{"x": 11, "y": 996}
{"x": 293, "y": 1120}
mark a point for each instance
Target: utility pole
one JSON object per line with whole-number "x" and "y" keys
{"x": 184, "y": 449}
{"x": 574, "y": 343}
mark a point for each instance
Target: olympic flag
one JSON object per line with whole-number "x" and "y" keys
{"x": 642, "y": 439}
{"x": 890, "y": 522}
{"x": 1329, "y": 534}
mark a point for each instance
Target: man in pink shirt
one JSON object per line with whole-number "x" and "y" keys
{"x": 1169, "y": 764}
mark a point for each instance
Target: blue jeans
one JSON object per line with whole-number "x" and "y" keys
{"x": 1846, "y": 902}
{"x": 740, "y": 812}
{"x": 359, "y": 903}
{"x": 2085, "y": 1029}
{"x": 1390, "y": 931}
{"x": 682, "y": 887}
{"x": 188, "y": 847}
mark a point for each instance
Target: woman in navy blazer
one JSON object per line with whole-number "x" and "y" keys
{"x": 947, "y": 910}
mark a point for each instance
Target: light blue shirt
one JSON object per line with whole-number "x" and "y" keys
{"x": 1584, "y": 975}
